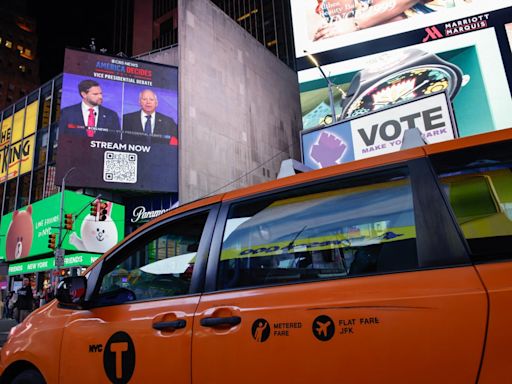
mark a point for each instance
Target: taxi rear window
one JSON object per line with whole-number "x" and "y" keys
{"x": 478, "y": 185}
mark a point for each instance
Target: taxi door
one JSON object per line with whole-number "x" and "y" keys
{"x": 496, "y": 363}
{"x": 350, "y": 281}
{"x": 478, "y": 182}
{"x": 138, "y": 326}
{"x": 399, "y": 328}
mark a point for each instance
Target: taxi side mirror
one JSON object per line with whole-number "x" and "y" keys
{"x": 71, "y": 291}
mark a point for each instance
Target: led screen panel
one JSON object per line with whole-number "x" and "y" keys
{"x": 17, "y": 143}
{"x": 461, "y": 65}
{"x": 380, "y": 132}
{"x": 24, "y": 233}
{"x": 118, "y": 124}
{"x": 324, "y": 25}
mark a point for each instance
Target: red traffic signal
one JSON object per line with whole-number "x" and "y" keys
{"x": 94, "y": 208}
{"x": 52, "y": 241}
{"x": 99, "y": 209}
{"x": 68, "y": 221}
{"x": 103, "y": 211}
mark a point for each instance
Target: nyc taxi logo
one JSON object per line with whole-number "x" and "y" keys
{"x": 118, "y": 357}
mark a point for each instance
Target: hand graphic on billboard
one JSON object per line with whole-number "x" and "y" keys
{"x": 328, "y": 150}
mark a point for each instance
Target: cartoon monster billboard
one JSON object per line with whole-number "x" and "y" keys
{"x": 96, "y": 236}
{"x": 20, "y": 234}
{"x": 24, "y": 233}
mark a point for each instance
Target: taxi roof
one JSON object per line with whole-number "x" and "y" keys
{"x": 349, "y": 167}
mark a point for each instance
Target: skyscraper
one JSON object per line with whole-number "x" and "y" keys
{"x": 155, "y": 24}
{"x": 19, "y": 72}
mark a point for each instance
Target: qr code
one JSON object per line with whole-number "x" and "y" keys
{"x": 120, "y": 167}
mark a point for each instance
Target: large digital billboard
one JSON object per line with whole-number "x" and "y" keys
{"x": 74, "y": 260}
{"x": 470, "y": 61}
{"x": 323, "y": 25}
{"x": 24, "y": 232}
{"x": 17, "y": 143}
{"x": 118, "y": 123}
{"x": 379, "y": 132}
{"x": 478, "y": 86}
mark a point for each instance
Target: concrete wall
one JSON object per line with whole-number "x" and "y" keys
{"x": 169, "y": 57}
{"x": 239, "y": 105}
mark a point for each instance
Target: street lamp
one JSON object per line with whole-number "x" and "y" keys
{"x": 330, "y": 84}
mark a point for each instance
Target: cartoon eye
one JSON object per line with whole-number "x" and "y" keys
{"x": 103, "y": 231}
{"x": 97, "y": 229}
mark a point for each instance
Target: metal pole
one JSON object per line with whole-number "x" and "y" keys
{"x": 61, "y": 210}
{"x": 62, "y": 190}
{"x": 331, "y": 100}
{"x": 58, "y": 249}
{"x": 329, "y": 84}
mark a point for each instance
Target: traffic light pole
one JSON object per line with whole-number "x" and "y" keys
{"x": 62, "y": 190}
{"x": 59, "y": 254}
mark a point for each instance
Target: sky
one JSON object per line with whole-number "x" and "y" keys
{"x": 72, "y": 26}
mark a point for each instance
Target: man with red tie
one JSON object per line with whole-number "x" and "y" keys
{"x": 89, "y": 114}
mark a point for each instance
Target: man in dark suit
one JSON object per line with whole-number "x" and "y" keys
{"x": 149, "y": 123}
{"x": 82, "y": 118}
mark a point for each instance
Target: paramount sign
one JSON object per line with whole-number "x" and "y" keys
{"x": 140, "y": 214}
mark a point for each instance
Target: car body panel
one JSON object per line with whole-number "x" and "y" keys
{"x": 87, "y": 337}
{"x": 497, "y": 278}
{"x": 427, "y": 325}
{"x": 38, "y": 341}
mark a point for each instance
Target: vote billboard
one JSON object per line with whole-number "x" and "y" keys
{"x": 379, "y": 132}
{"x": 118, "y": 123}
{"x": 469, "y": 58}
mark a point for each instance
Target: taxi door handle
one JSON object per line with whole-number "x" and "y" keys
{"x": 166, "y": 325}
{"x": 217, "y": 321}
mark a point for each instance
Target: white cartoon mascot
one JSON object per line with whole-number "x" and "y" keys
{"x": 97, "y": 236}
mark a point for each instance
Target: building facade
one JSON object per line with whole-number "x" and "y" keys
{"x": 19, "y": 67}
{"x": 239, "y": 117}
{"x": 153, "y": 25}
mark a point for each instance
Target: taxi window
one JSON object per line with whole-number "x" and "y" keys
{"x": 160, "y": 266}
{"x": 478, "y": 184}
{"x": 357, "y": 227}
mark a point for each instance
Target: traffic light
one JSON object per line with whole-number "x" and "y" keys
{"x": 68, "y": 221}
{"x": 94, "y": 208}
{"x": 52, "y": 240}
{"x": 103, "y": 211}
